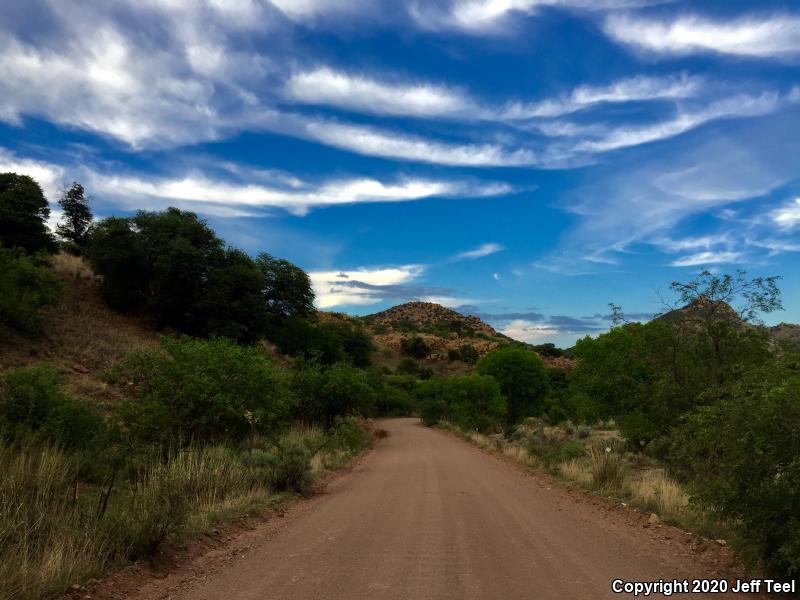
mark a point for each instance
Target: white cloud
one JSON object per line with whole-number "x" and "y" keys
{"x": 298, "y": 200}
{"x": 529, "y": 331}
{"x": 336, "y": 288}
{"x": 479, "y": 252}
{"x": 493, "y": 16}
{"x": 738, "y": 106}
{"x": 707, "y": 258}
{"x": 706, "y": 242}
{"x": 761, "y": 36}
{"x": 625, "y": 90}
{"x": 496, "y": 276}
{"x": 50, "y": 177}
{"x": 335, "y": 88}
{"x": 388, "y": 144}
{"x": 787, "y": 216}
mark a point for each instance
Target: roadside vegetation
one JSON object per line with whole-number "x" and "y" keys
{"x": 246, "y": 398}
{"x": 694, "y": 416}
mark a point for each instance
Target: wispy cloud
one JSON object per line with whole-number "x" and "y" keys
{"x": 529, "y": 331}
{"x": 495, "y": 16}
{"x": 240, "y": 197}
{"x": 391, "y": 144}
{"x": 788, "y": 215}
{"x": 335, "y": 88}
{"x": 479, "y": 252}
{"x": 624, "y": 90}
{"x": 708, "y": 258}
{"x": 297, "y": 200}
{"x": 739, "y": 106}
{"x": 776, "y": 35}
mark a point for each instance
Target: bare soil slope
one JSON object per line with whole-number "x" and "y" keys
{"x": 427, "y": 516}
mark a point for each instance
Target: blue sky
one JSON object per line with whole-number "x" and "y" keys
{"x": 530, "y": 160}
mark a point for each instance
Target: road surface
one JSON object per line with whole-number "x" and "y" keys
{"x": 427, "y": 516}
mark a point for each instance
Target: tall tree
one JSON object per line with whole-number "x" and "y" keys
{"x": 287, "y": 288}
{"x": 23, "y": 214}
{"x": 77, "y": 219}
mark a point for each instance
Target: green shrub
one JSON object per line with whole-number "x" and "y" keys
{"x": 338, "y": 391}
{"x": 198, "y": 390}
{"x": 33, "y": 405}
{"x": 394, "y": 402}
{"x": 522, "y": 378}
{"x": 433, "y": 410}
{"x": 27, "y": 284}
{"x": 414, "y": 347}
{"x": 468, "y": 354}
{"x": 553, "y": 449}
{"x": 290, "y": 468}
{"x": 472, "y": 402}
{"x": 349, "y": 435}
{"x": 742, "y": 455}
{"x": 453, "y": 354}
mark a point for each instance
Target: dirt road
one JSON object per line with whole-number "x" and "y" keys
{"x": 427, "y": 516}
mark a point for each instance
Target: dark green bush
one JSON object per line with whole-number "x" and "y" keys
{"x": 742, "y": 455}
{"x": 468, "y": 354}
{"x": 327, "y": 393}
{"x": 23, "y": 214}
{"x": 472, "y": 402}
{"x": 349, "y": 435}
{"x": 198, "y": 390}
{"x": 290, "y": 468}
{"x": 414, "y": 347}
{"x": 522, "y": 378}
{"x": 27, "y": 284}
{"x": 33, "y": 405}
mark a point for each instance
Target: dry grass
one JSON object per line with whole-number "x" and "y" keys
{"x": 577, "y": 470}
{"x": 71, "y": 267}
{"x": 45, "y": 543}
{"x": 608, "y": 469}
{"x": 656, "y": 492}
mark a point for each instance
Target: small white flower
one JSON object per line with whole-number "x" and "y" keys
{"x": 608, "y": 449}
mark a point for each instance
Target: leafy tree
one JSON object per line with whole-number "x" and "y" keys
{"x": 23, "y": 214}
{"x": 119, "y": 255}
{"x": 743, "y": 456}
{"x": 181, "y": 251}
{"x": 326, "y": 394}
{"x": 27, "y": 284}
{"x": 549, "y": 349}
{"x": 414, "y": 347}
{"x": 714, "y": 305}
{"x": 522, "y": 379}
{"x": 472, "y": 401}
{"x": 74, "y": 225}
{"x": 287, "y": 288}
{"x": 296, "y": 336}
{"x": 204, "y": 390}
{"x": 231, "y": 304}
{"x": 355, "y": 341}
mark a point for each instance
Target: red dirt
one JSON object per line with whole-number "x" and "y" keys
{"x": 425, "y": 515}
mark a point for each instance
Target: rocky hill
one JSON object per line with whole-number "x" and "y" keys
{"x": 444, "y": 331}
{"x": 429, "y": 315}
{"x": 786, "y": 333}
